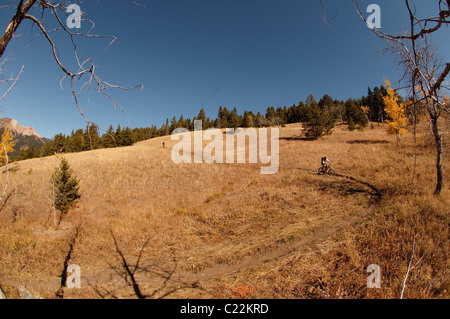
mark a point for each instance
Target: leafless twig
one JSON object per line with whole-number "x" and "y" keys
{"x": 411, "y": 267}
{"x": 324, "y": 14}
{"x": 86, "y": 66}
{"x": 11, "y": 86}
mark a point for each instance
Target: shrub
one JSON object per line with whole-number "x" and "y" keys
{"x": 319, "y": 124}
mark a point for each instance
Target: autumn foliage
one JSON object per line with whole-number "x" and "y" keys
{"x": 395, "y": 110}
{"x": 6, "y": 144}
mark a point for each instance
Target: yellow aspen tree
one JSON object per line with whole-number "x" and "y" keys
{"x": 395, "y": 111}
{"x": 6, "y": 144}
{"x": 366, "y": 111}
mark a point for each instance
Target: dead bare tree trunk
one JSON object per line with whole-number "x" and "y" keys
{"x": 340, "y": 116}
{"x": 21, "y": 12}
{"x": 425, "y": 73}
{"x": 7, "y": 173}
{"x": 438, "y": 144}
{"x": 415, "y": 143}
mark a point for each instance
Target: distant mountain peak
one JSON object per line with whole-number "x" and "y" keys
{"x": 16, "y": 128}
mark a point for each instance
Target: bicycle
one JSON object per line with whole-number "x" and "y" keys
{"x": 326, "y": 170}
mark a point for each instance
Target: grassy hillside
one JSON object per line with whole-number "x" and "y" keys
{"x": 226, "y": 231}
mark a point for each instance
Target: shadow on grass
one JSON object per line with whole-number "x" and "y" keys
{"x": 345, "y": 188}
{"x": 6, "y": 200}
{"x": 296, "y": 138}
{"x": 12, "y": 169}
{"x": 348, "y": 188}
{"x": 166, "y": 280}
{"x": 375, "y": 193}
{"x": 368, "y": 142}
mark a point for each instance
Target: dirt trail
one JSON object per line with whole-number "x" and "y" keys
{"x": 110, "y": 278}
{"x": 284, "y": 250}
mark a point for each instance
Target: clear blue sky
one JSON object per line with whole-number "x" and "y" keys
{"x": 189, "y": 54}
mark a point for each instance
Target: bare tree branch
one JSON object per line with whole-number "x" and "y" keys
{"x": 443, "y": 19}
{"x": 11, "y": 86}
{"x": 424, "y": 72}
{"x": 411, "y": 267}
{"x": 86, "y": 66}
{"x": 325, "y": 19}
{"x": 22, "y": 10}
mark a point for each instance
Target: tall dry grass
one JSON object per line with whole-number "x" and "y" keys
{"x": 200, "y": 216}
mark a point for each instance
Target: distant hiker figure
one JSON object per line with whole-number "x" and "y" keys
{"x": 164, "y": 145}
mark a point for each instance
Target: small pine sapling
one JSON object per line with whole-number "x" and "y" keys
{"x": 64, "y": 189}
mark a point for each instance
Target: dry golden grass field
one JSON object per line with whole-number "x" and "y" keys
{"x": 226, "y": 231}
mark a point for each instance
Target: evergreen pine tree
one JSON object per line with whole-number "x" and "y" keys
{"x": 109, "y": 138}
{"x": 270, "y": 115}
{"x": 208, "y": 124}
{"x": 91, "y": 138}
{"x": 260, "y": 120}
{"x": 173, "y": 125}
{"x": 181, "y": 122}
{"x": 58, "y": 144}
{"x": 119, "y": 136}
{"x": 29, "y": 152}
{"x": 78, "y": 142}
{"x": 248, "y": 119}
{"x": 166, "y": 127}
{"x": 355, "y": 115}
{"x": 235, "y": 120}
{"x": 201, "y": 116}
{"x": 128, "y": 137}
{"x": 64, "y": 188}
{"x": 317, "y": 125}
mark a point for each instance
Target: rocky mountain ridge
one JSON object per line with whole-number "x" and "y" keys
{"x": 16, "y": 129}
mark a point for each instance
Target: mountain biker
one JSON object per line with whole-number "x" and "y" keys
{"x": 324, "y": 161}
